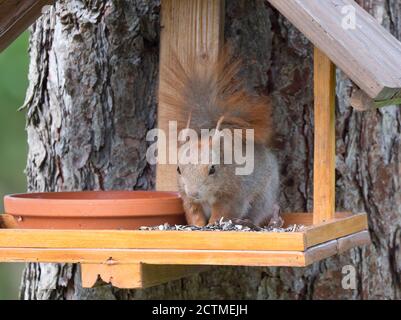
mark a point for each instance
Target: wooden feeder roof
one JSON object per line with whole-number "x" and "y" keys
{"x": 368, "y": 54}
{"x": 16, "y": 16}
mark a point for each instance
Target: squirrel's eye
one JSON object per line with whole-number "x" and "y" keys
{"x": 212, "y": 170}
{"x": 178, "y": 170}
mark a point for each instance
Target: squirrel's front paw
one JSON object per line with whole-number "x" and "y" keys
{"x": 276, "y": 221}
{"x": 215, "y": 219}
{"x": 196, "y": 220}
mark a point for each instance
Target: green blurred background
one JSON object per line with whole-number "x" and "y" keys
{"x": 13, "y": 147}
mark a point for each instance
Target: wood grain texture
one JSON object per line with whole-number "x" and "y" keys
{"x": 357, "y": 239}
{"x": 120, "y": 276}
{"x": 189, "y": 28}
{"x": 174, "y": 257}
{"x": 185, "y": 240}
{"x": 324, "y": 162}
{"x": 360, "y": 101}
{"x": 142, "y": 268}
{"x": 135, "y": 275}
{"x": 152, "y": 239}
{"x": 368, "y": 54}
{"x": 120, "y": 257}
{"x": 321, "y": 252}
{"x": 337, "y": 228}
{"x": 338, "y": 246}
{"x": 16, "y": 16}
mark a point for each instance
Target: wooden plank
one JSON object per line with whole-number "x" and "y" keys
{"x": 119, "y": 239}
{"x": 192, "y": 27}
{"x": 335, "y": 229}
{"x": 368, "y": 53}
{"x": 321, "y": 252}
{"x": 137, "y": 275}
{"x": 16, "y": 16}
{"x": 120, "y": 276}
{"x": 325, "y": 142}
{"x": 338, "y": 246}
{"x": 354, "y": 240}
{"x": 156, "y": 257}
{"x": 360, "y": 101}
{"x": 116, "y": 257}
{"x": 197, "y": 240}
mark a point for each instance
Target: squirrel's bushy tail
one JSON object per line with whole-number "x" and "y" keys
{"x": 207, "y": 92}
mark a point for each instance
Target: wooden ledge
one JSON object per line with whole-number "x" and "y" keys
{"x": 344, "y": 224}
{"x": 115, "y": 257}
{"x": 140, "y": 268}
{"x": 137, "y": 259}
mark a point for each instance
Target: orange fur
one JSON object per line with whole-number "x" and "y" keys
{"x": 208, "y": 91}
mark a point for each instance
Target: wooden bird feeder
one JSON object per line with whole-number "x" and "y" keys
{"x": 368, "y": 54}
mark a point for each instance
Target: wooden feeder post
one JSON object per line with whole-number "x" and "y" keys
{"x": 190, "y": 27}
{"x": 325, "y": 143}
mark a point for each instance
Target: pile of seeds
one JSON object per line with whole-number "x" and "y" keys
{"x": 225, "y": 225}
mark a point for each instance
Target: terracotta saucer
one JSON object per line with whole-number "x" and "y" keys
{"x": 95, "y": 209}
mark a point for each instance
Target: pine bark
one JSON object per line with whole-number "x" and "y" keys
{"x": 92, "y": 98}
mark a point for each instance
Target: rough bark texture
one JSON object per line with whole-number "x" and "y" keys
{"x": 91, "y": 100}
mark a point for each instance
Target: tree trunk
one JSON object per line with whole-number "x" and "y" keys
{"x": 91, "y": 100}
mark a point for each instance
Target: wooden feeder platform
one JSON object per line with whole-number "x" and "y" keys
{"x": 138, "y": 259}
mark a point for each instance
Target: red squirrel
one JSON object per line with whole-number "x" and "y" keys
{"x": 203, "y": 94}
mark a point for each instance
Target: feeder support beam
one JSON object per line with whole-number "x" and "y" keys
{"x": 324, "y": 144}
